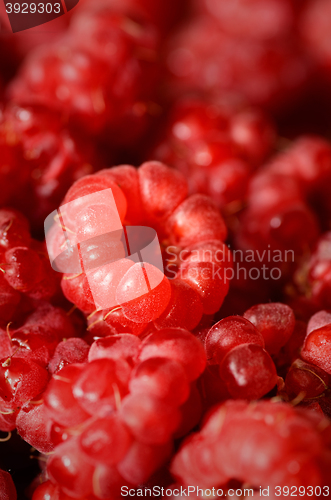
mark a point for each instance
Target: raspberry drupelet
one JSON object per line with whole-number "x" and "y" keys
{"x": 288, "y": 200}
{"x": 25, "y": 269}
{"x": 192, "y": 227}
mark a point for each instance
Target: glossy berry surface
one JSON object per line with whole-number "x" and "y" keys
{"x": 165, "y": 250}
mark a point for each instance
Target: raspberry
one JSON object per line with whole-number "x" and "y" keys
{"x": 20, "y": 381}
{"x": 164, "y": 14}
{"x": 262, "y": 78}
{"x": 152, "y": 303}
{"x": 187, "y": 223}
{"x": 116, "y": 416}
{"x": 284, "y": 194}
{"x": 315, "y": 26}
{"x": 45, "y": 158}
{"x": 271, "y": 19}
{"x": 59, "y": 399}
{"x": 181, "y": 222}
{"x": 32, "y": 426}
{"x": 176, "y": 344}
{"x": 142, "y": 460}
{"x": 184, "y": 309}
{"x": 24, "y": 265}
{"x": 100, "y": 89}
{"x": 237, "y": 435}
{"x": 216, "y": 146}
{"x": 150, "y": 420}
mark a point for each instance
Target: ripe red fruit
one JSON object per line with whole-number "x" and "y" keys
{"x": 256, "y": 443}
{"x": 14, "y": 229}
{"x": 210, "y": 282}
{"x": 132, "y": 295}
{"x": 318, "y": 320}
{"x": 84, "y": 78}
{"x": 275, "y": 321}
{"x": 271, "y": 19}
{"x": 216, "y": 146}
{"x": 256, "y": 70}
{"x": 46, "y": 159}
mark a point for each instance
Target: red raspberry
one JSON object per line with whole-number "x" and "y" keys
{"x": 216, "y": 146}
{"x": 164, "y": 13}
{"x": 257, "y": 71}
{"x": 100, "y": 75}
{"x": 115, "y": 417}
{"x": 44, "y": 159}
{"x": 315, "y": 29}
{"x": 265, "y": 443}
{"x": 159, "y": 195}
{"x": 283, "y": 198}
